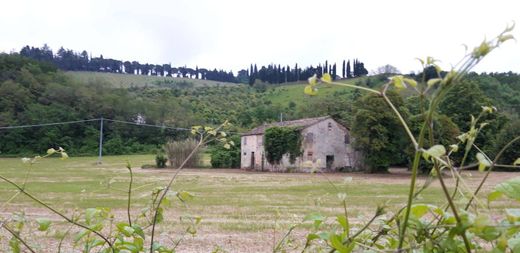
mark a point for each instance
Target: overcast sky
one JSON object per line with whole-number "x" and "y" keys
{"x": 233, "y": 34}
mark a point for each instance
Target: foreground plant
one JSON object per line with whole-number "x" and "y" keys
{"x": 464, "y": 222}
{"x": 98, "y": 229}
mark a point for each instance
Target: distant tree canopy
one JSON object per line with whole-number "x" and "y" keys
{"x": 378, "y": 133}
{"x": 276, "y": 74}
{"x": 70, "y": 60}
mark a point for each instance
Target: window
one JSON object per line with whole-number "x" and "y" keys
{"x": 309, "y": 138}
{"x": 347, "y": 138}
{"x": 330, "y": 126}
{"x": 245, "y": 140}
{"x": 309, "y": 155}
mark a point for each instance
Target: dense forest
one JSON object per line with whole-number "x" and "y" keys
{"x": 33, "y": 92}
{"x": 69, "y": 60}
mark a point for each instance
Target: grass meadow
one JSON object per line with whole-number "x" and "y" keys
{"x": 238, "y": 208}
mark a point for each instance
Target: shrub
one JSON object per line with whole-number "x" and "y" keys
{"x": 178, "y": 151}
{"x": 226, "y": 158}
{"x": 160, "y": 160}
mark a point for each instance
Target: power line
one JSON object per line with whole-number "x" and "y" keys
{"x": 49, "y": 124}
{"x": 99, "y": 119}
{"x": 148, "y": 125}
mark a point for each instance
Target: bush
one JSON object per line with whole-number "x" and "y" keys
{"x": 226, "y": 158}
{"x": 178, "y": 151}
{"x": 160, "y": 161}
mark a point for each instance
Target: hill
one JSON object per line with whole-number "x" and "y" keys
{"x": 129, "y": 81}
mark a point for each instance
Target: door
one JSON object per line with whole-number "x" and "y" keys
{"x": 253, "y": 160}
{"x": 329, "y": 162}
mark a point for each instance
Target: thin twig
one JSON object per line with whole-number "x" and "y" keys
{"x": 490, "y": 169}
{"x": 17, "y": 237}
{"x": 57, "y": 212}
{"x": 165, "y": 191}
{"x": 129, "y": 193}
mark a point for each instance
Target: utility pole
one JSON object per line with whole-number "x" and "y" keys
{"x": 281, "y": 117}
{"x": 100, "y": 141}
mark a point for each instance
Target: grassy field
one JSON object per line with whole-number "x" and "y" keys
{"x": 127, "y": 80}
{"x": 238, "y": 208}
{"x": 286, "y": 93}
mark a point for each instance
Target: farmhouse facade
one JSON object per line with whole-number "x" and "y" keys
{"x": 326, "y": 146}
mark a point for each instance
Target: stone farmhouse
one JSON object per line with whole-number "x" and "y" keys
{"x": 326, "y": 145}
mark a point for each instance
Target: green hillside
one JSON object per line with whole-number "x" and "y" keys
{"x": 128, "y": 81}
{"x": 293, "y": 92}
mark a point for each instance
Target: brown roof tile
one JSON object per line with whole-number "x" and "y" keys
{"x": 303, "y": 123}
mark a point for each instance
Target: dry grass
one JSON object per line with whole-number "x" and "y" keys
{"x": 239, "y": 208}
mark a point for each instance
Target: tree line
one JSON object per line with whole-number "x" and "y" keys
{"x": 276, "y": 74}
{"x": 69, "y": 60}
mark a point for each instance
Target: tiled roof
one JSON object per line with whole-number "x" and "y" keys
{"x": 303, "y": 123}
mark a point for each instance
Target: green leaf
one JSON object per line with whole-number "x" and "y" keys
{"x": 483, "y": 162}
{"x": 433, "y": 81}
{"x": 138, "y": 230}
{"x": 227, "y": 146}
{"x": 435, "y": 151}
{"x": 43, "y": 224}
{"x": 343, "y": 221}
{"x": 80, "y": 235}
{"x": 185, "y": 196}
{"x": 410, "y": 82}
{"x": 90, "y": 213}
{"x": 191, "y": 230}
{"x": 454, "y": 147}
{"x": 419, "y": 210}
{"x": 510, "y": 188}
{"x": 15, "y": 245}
{"x": 513, "y": 214}
{"x": 514, "y": 243}
{"x": 97, "y": 243}
{"x": 326, "y": 78}
{"x": 312, "y": 237}
{"x": 398, "y": 82}
{"x": 494, "y": 196}
{"x": 336, "y": 243}
{"x": 125, "y": 229}
{"x": 324, "y": 235}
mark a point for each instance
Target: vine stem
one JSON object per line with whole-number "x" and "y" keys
{"x": 452, "y": 206}
{"x": 17, "y": 237}
{"x": 415, "y": 167}
{"x": 165, "y": 191}
{"x": 401, "y": 119}
{"x": 129, "y": 194}
{"x": 57, "y": 212}
{"x": 490, "y": 169}
{"x": 356, "y": 87}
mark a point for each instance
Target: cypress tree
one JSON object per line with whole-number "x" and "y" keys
{"x": 334, "y": 71}
{"x": 343, "y": 69}
{"x": 349, "y": 74}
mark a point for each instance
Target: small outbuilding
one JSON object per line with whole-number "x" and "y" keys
{"x": 326, "y": 145}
